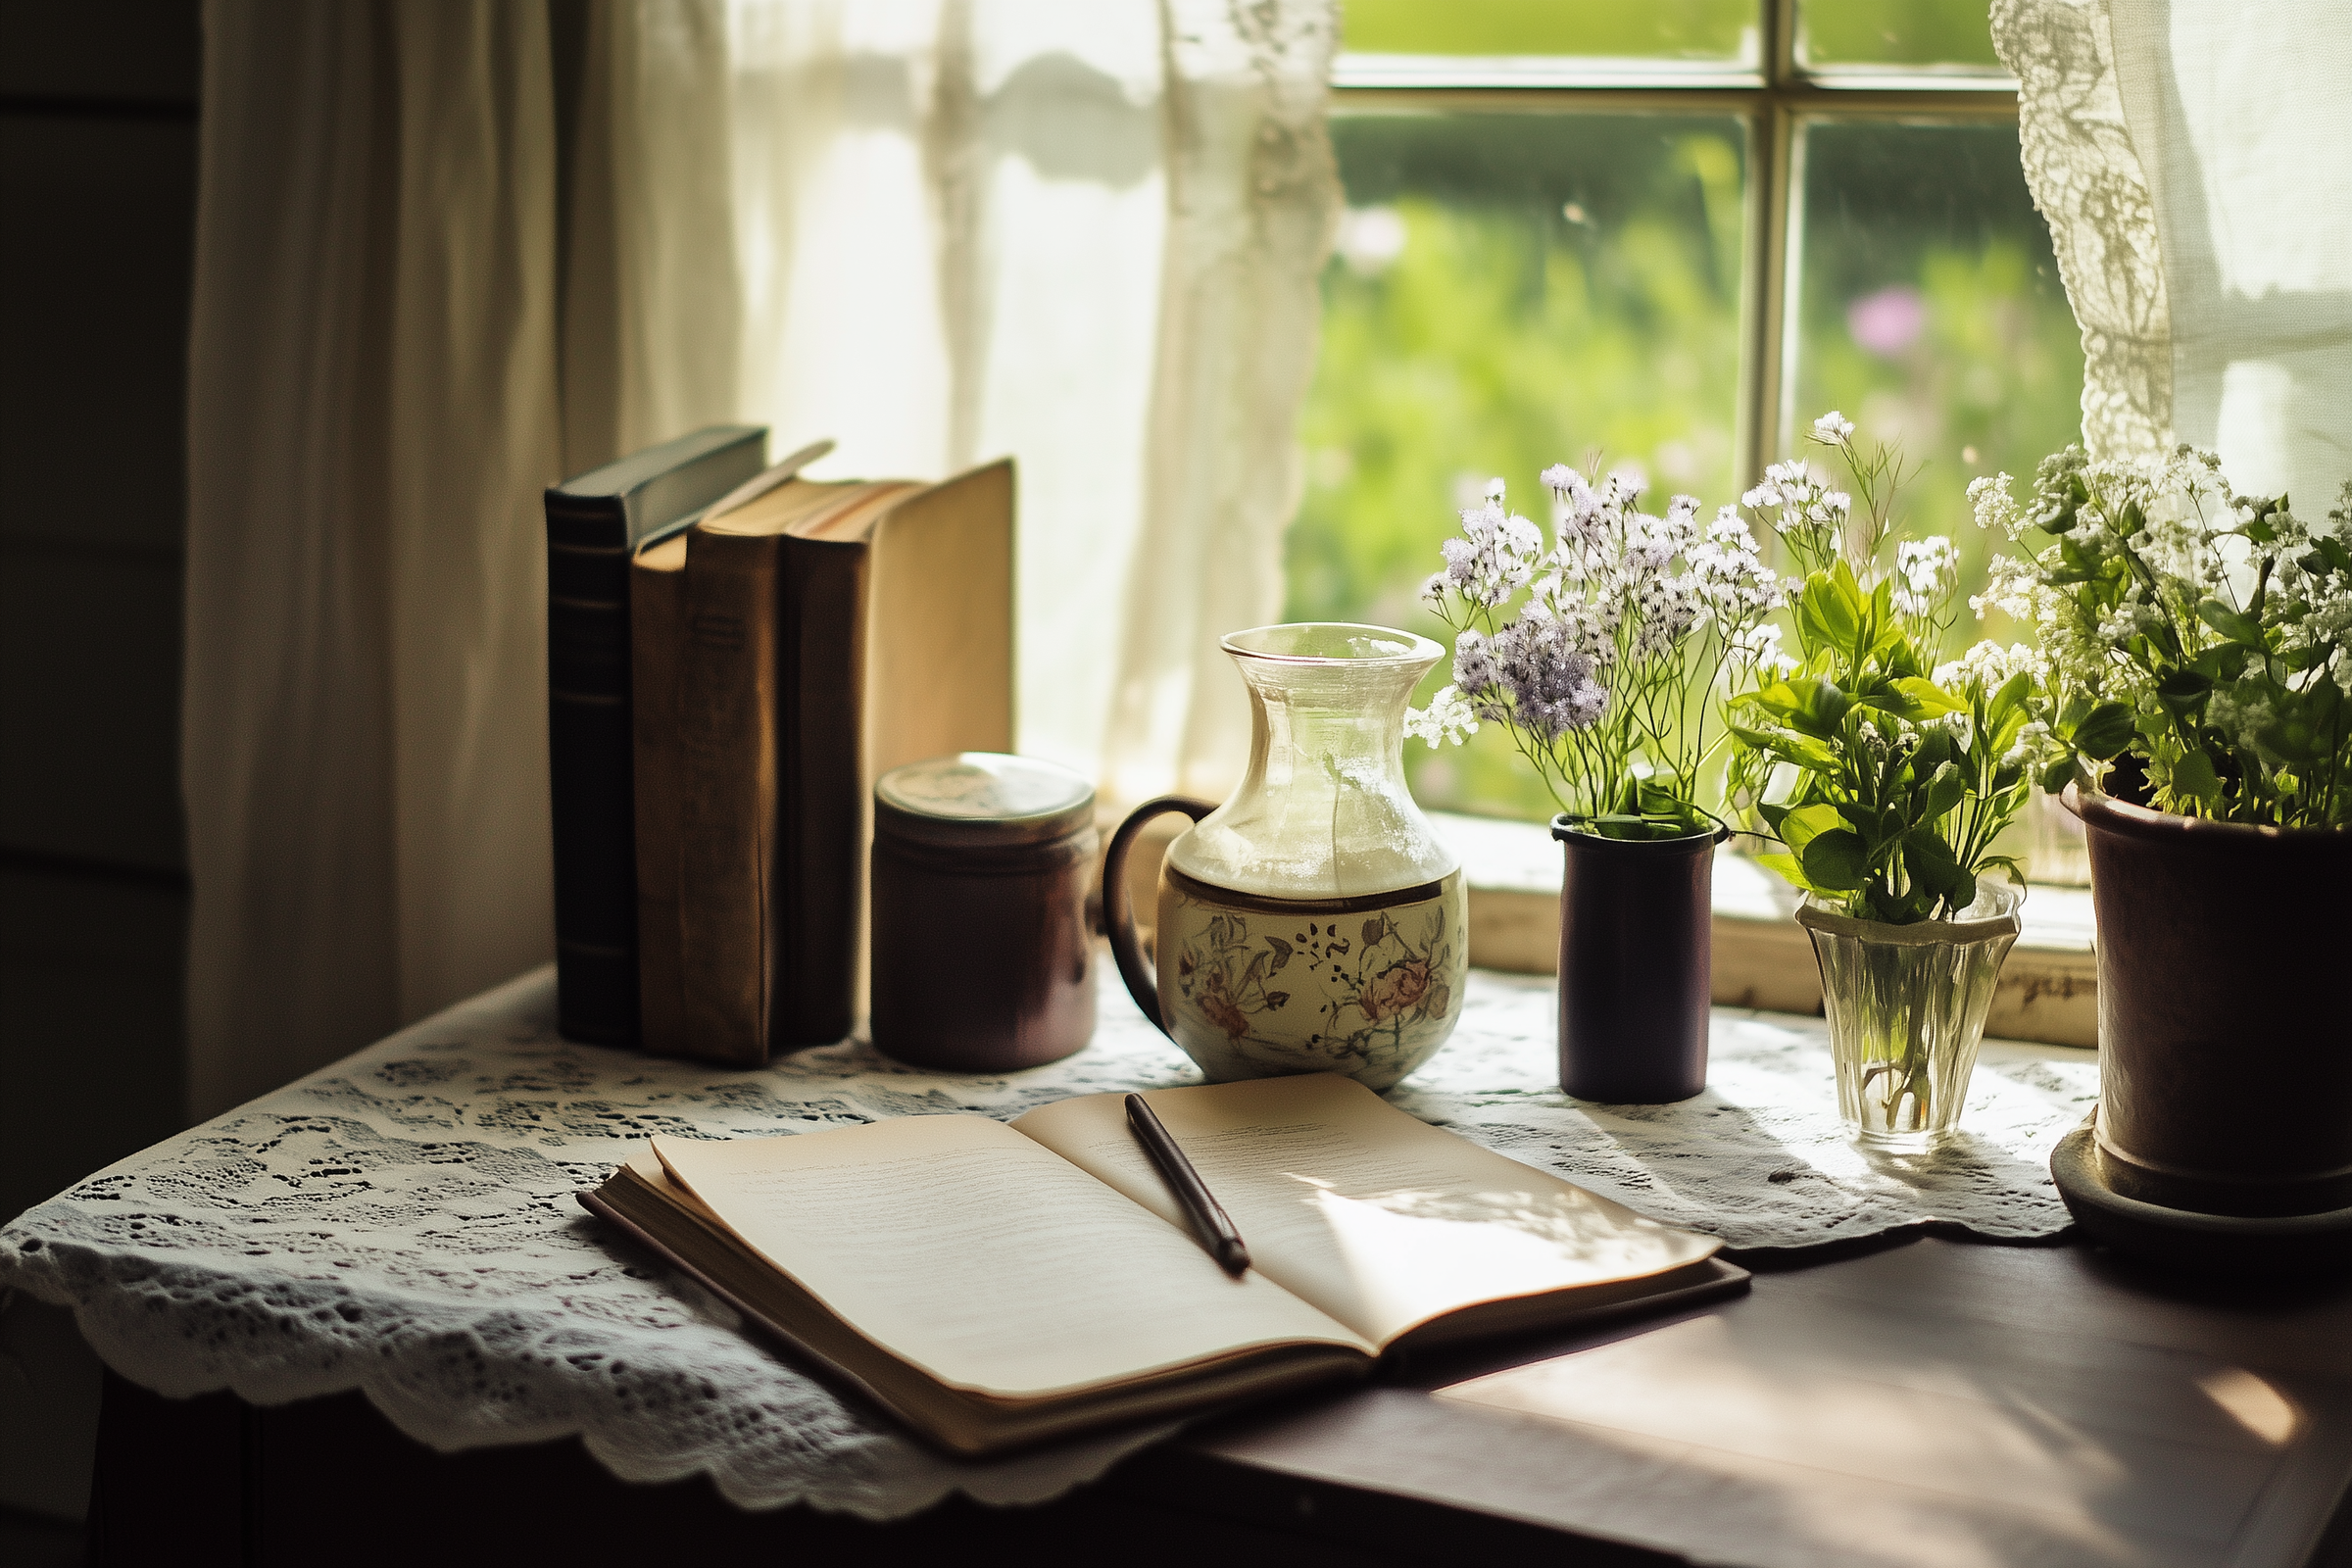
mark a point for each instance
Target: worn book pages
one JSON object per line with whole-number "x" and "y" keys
{"x": 988, "y": 1262}
{"x": 1399, "y": 1230}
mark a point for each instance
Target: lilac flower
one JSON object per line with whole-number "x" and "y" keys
{"x": 1550, "y": 682}
{"x": 1474, "y": 668}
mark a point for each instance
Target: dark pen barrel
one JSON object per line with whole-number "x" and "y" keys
{"x": 1210, "y": 1222}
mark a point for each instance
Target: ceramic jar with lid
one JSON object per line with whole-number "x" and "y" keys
{"x": 983, "y": 930}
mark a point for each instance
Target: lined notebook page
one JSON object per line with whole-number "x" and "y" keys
{"x": 1382, "y": 1221}
{"x": 964, "y": 1247}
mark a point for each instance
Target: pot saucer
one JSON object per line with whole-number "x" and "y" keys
{"x": 2209, "y": 1243}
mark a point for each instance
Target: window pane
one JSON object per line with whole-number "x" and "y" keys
{"x": 1510, "y": 291}
{"x": 1932, "y": 314}
{"x": 1909, "y": 34}
{"x": 1695, "y": 30}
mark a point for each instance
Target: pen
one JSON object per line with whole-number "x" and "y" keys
{"x": 1209, "y": 1217}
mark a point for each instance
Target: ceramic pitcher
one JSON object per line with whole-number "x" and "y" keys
{"x": 1313, "y": 922}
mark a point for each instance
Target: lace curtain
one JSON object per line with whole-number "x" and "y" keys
{"x": 1086, "y": 232}
{"x": 2194, "y": 161}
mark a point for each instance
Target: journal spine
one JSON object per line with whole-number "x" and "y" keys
{"x": 589, "y": 746}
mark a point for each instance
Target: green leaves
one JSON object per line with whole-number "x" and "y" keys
{"x": 2098, "y": 730}
{"x": 1837, "y": 861}
{"x": 1804, "y": 703}
{"x": 1922, "y": 699}
{"x": 2192, "y": 777}
{"x": 1789, "y": 746}
{"x": 1830, "y": 609}
{"x": 1933, "y": 867}
{"x": 1831, "y": 854}
{"x": 2328, "y": 554}
{"x": 1944, "y": 792}
{"x": 2232, "y": 625}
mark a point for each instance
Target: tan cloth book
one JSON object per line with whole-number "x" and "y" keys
{"x": 996, "y": 1285}
{"x": 785, "y": 653}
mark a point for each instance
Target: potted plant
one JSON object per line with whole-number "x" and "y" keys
{"x": 1601, "y": 659}
{"x": 1886, "y": 781}
{"x": 2198, "y": 674}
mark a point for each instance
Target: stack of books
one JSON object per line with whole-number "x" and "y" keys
{"x": 735, "y": 652}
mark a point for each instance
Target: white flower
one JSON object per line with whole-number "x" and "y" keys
{"x": 2031, "y": 745}
{"x": 1494, "y": 490}
{"x": 1648, "y": 545}
{"x": 2011, "y": 587}
{"x": 1806, "y": 509}
{"x": 1993, "y": 664}
{"x": 1759, "y": 646}
{"x": 2129, "y": 620}
{"x": 1993, "y": 506}
{"x": 1833, "y": 427}
{"x": 2242, "y": 719}
{"x": 1729, "y": 532}
{"x": 1447, "y": 717}
{"x": 1924, "y": 575}
{"x": 1682, "y": 520}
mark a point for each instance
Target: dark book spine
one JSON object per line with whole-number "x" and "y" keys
{"x": 589, "y": 747}
{"x": 821, "y": 774}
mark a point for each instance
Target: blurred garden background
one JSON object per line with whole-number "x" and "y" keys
{"x": 1517, "y": 287}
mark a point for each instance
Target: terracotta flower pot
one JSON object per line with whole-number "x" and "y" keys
{"x": 2224, "y": 1038}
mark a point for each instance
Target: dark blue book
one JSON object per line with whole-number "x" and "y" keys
{"x": 594, "y": 523}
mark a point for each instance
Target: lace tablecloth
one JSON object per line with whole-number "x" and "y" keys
{"x": 403, "y": 1223}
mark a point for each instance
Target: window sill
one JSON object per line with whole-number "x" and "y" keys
{"x": 2048, "y": 989}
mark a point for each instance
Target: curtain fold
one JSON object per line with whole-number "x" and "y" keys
{"x": 2192, "y": 159}
{"x": 1253, "y": 201}
{"x": 364, "y": 749}
{"x": 1086, "y": 233}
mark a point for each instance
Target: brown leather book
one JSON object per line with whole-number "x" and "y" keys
{"x": 823, "y": 634}
{"x": 657, "y": 644}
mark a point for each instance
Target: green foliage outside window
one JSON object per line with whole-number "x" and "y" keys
{"x": 1513, "y": 290}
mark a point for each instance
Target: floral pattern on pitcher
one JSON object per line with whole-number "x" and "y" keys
{"x": 1252, "y": 993}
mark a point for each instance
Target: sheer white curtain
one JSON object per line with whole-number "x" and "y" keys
{"x": 1086, "y": 233}
{"x": 372, "y": 412}
{"x": 2194, "y": 161}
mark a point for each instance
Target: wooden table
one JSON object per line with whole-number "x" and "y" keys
{"x": 1925, "y": 1404}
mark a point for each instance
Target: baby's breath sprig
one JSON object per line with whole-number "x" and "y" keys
{"x": 1605, "y": 674}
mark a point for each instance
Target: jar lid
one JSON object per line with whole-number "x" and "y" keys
{"x": 982, "y": 799}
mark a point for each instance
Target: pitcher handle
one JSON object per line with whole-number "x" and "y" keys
{"x": 1118, "y": 910}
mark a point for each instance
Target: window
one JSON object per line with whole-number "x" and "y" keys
{"x": 1662, "y": 235}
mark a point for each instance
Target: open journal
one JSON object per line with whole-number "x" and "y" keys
{"x": 998, "y": 1285}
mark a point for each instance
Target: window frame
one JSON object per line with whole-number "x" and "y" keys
{"x": 1775, "y": 101}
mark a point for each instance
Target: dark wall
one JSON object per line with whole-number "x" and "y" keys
{"x": 97, "y": 203}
